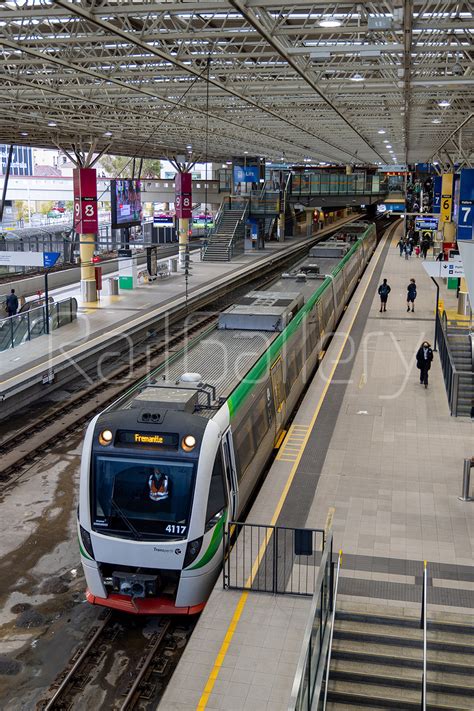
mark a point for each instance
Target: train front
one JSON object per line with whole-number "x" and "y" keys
{"x": 148, "y": 544}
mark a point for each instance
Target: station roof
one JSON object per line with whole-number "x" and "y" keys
{"x": 286, "y": 79}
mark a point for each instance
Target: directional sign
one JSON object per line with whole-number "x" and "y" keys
{"x": 443, "y": 270}
{"x": 446, "y": 197}
{"x": 29, "y": 259}
{"x": 465, "y": 212}
{"x": 437, "y": 194}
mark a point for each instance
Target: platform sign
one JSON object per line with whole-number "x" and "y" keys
{"x": 446, "y": 197}
{"x": 437, "y": 194}
{"x": 86, "y": 217}
{"x": 466, "y": 248}
{"x": 29, "y": 259}
{"x": 465, "y": 211}
{"x": 183, "y": 200}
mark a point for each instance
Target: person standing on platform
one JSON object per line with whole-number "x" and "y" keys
{"x": 411, "y": 295}
{"x": 425, "y": 245}
{"x": 424, "y": 356}
{"x": 401, "y": 246}
{"x": 12, "y": 303}
{"x": 384, "y": 291}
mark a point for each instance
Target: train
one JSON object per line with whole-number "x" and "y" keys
{"x": 178, "y": 456}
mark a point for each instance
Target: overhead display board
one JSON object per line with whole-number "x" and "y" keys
{"x": 465, "y": 205}
{"x": 126, "y": 203}
{"x": 426, "y": 223}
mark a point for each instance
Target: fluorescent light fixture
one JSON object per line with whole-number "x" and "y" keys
{"x": 329, "y": 22}
{"x": 52, "y": 123}
{"x": 381, "y": 130}
{"x": 357, "y": 77}
{"x": 245, "y": 152}
{"x": 188, "y": 147}
{"x": 388, "y": 145}
{"x": 24, "y": 133}
{"x": 385, "y": 140}
{"x": 444, "y": 104}
{"x": 436, "y": 121}
{"x": 107, "y": 134}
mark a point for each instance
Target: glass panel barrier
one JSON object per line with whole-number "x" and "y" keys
{"x": 25, "y": 326}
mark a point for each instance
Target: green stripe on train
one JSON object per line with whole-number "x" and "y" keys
{"x": 213, "y": 546}
{"x": 238, "y": 397}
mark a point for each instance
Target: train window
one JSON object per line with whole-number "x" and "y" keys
{"x": 217, "y": 498}
{"x": 244, "y": 447}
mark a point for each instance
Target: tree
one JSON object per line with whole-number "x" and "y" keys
{"x": 121, "y": 167}
{"x": 46, "y": 206}
{"x": 21, "y": 209}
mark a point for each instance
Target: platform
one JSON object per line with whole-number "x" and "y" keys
{"x": 116, "y": 317}
{"x": 379, "y": 456}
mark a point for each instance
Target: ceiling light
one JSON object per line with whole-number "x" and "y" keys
{"x": 246, "y": 152}
{"x": 385, "y": 140}
{"x": 357, "y": 77}
{"x": 436, "y": 121}
{"x": 388, "y": 145}
{"x": 188, "y": 147}
{"x": 24, "y": 133}
{"x": 444, "y": 104}
{"x": 52, "y": 123}
{"x": 381, "y": 130}
{"x": 107, "y": 134}
{"x": 329, "y": 22}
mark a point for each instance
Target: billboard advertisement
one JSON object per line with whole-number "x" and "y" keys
{"x": 126, "y": 203}
{"x": 22, "y": 160}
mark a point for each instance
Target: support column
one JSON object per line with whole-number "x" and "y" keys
{"x": 183, "y": 204}
{"x": 183, "y": 235}
{"x": 86, "y": 250}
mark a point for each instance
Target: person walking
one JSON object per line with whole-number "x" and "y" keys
{"x": 384, "y": 291}
{"x": 407, "y": 250}
{"x": 425, "y": 245}
{"x": 411, "y": 295}
{"x": 401, "y": 246}
{"x": 12, "y": 303}
{"x": 424, "y": 356}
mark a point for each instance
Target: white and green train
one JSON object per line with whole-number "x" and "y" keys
{"x": 169, "y": 463}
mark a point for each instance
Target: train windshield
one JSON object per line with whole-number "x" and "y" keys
{"x": 142, "y": 499}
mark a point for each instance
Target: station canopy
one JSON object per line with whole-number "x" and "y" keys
{"x": 379, "y": 82}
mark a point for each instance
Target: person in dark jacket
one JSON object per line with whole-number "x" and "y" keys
{"x": 12, "y": 303}
{"x": 384, "y": 291}
{"x": 424, "y": 356}
{"x": 411, "y": 295}
{"x": 425, "y": 245}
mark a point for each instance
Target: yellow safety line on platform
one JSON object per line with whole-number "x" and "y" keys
{"x": 248, "y": 583}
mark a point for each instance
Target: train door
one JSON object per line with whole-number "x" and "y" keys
{"x": 279, "y": 398}
{"x": 230, "y": 473}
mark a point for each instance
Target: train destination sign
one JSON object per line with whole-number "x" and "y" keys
{"x": 148, "y": 439}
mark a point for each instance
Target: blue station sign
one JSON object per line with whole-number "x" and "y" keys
{"x": 465, "y": 207}
{"x": 50, "y": 259}
{"x": 437, "y": 194}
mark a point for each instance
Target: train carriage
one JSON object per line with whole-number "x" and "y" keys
{"x": 169, "y": 463}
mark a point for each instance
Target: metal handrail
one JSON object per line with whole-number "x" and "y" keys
{"x": 425, "y": 630}
{"x": 237, "y": 225}
{"x": 315, "y": 611}
{"x": 450, "y": 372}
{"x": 333, "y": 620}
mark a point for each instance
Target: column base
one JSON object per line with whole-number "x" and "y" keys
{"x": 88, "y": 290}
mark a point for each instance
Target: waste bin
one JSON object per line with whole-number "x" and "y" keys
{"x": 113, "y": 286}
{"x": 464, "y": 306}
{"x": 172, "y": 265}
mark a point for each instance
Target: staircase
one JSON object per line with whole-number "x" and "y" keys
{"x": 377, "y": 656}
{"x": 460, "y": 346}
{"x": 219, "y": 247}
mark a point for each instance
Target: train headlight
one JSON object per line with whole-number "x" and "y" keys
{"x": 192, "y": 551}
{"x": 105, "y": 437}
{"x": 188, "y": 443}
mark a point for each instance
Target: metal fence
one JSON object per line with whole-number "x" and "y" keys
{"x": 32, "y": 323}
{"x": 272, "y": 559}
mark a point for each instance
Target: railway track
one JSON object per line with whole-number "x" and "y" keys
{"x": 142, "y": 679}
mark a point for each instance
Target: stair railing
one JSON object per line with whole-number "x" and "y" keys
{"x": 232, "y": 241}
{"x": 448, "y": 366}
{"x": 424, "y": 627}
{"x": 333, "y": 620}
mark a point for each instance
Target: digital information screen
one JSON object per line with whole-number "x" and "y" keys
{"x": 126, "y": 202}
{"x": 147, "y": 440}
{"x": 426, "y": 223}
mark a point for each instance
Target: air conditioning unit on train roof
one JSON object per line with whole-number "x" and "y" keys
{"x": 261, "y": 311}
{"x": 330, "y": 250}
